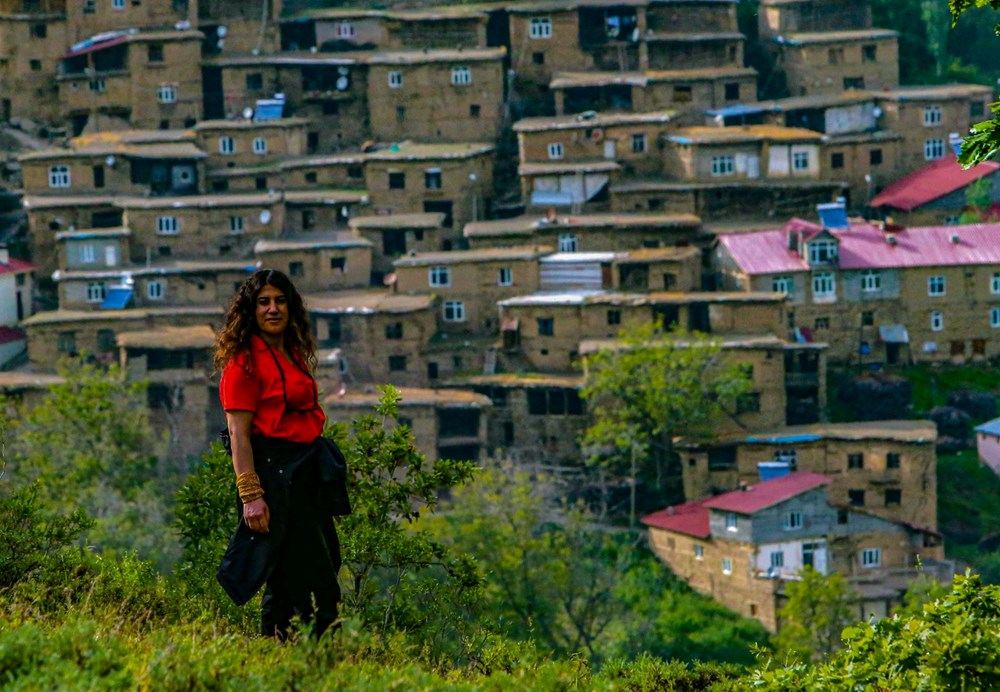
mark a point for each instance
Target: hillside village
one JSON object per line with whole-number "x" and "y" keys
{"x": 475, "y": 198}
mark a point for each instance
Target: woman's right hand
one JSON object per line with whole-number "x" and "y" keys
{"x": 256, "y": 515}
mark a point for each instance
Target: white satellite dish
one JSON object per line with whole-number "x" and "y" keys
{"x": 110, "y": 161}
{"x": 247, "y": 113}
{"x": 221, "y": 31}
{"x": 877, "y": 112}
{"x": 343, "y": 71}
{"x": 265, "y": 216}
{"x": 342, "y": 83}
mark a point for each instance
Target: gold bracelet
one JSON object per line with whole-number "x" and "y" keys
{"x": 248, "y": 486}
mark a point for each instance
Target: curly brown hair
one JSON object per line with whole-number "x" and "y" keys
{"x": 241, "y": 322}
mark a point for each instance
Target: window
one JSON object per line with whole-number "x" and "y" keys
{"x": 235, "y": 224}
{"x": 868, "y": 318}
{"x": 259, "y": 146}
{"x": 727, "y": 565}
{"x": 854, "y": 83}
{"x": 397, "y": 363}
{"x": 461, "y": 75}
{"x": 875, "y": 157}
{"x": 98, "y": 85}
{"x": 475, "y": 110}
{"x": 308, "y": 219}
{"x": 732, "y": 91}
{"x": 837, "y": 160}
{"x": 167, "y": 225}
{"x": 871, "y": 557}
{"x": 255, "y": 81}
{"x": 937, "y": 321}
{"x": 154, "y": 290}
{"x": 227, "y": 145}
{"x": 822, "y": 251}
{"x": 932, "y": 116}
{"x": 98, "y": 173}
{"x": 824, "y": 285}
{"x": 454, "y": 311}
{"x": 438, "y": 276}
{"x": 339, "y": 263}
{"x": 614, "y": 317}
{"x": 505, "y": 277}
{"x": 96, "y": 292}
{"x": 995, "y": 317}
{"x": 567, "y": 242}
{"x": 933, "y": 149}
{"x": 394, "y": 331}
{"x": 395, "y": 80}
{"x": 344, "y": 30}
{"x": 89, "y": 6}
{"x": 118, "y": 4}
{"x": 87, "y": 254}
{"x": 856, "y": 498}
{"x": 699, "y": 552}
{"x": 166, "y": 93}
{"x": 777, "y": 558}
{"x": 936, "y": 286}
{"x": 432, "y": 179}
{"x": 555, "y": 150}
{"x": 723, "y": 165}
{"x": 682, "y": 94}
{"x": 869, "y": 53}
{"x": 979, "y": 347}
{"x": 976, "y": 109}
{"x": 731, "y": 522}
{"x": 842, "y": 515}
{"x": 154, "y": 52}
{"x": 638, "y": 143}
{"x": 400, "y": 114}
{"x": 66, "y": 342}
{"x": 296, "y": 269}
{"x": 748, "y": 402}
{"x": 800, "y": 160}
{"x": 821, "y": 323}
{"x": 892, "y": 460}
{"x": 871, "y": 281}
{"x": 538, "y": 57}
{"x": 835, "y": 56}
{"x": 106, "y": 340}
{"x": 397, "y": 180}
{"x": 782, "y": 284}
{"x": 546, "y": 326}
{"x": 856, "y": 460}
{"x": 792, "y": 521}
{"x": 59, "y": 176}
{"x": 893, "y": 496}
{"x": 554, "y": 402}
{"x": 39, "y": 31}
{"x": 540, "y": 27}
{"x": 995, "y": 285}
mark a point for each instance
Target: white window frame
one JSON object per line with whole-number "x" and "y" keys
{"x": 155, "y": 290}
{"x": 783, "y": 284}
{"x": 777, "y": 559}
{"x": 96, "y": 292}
{"x": 871, "y": 281}
{"x": 344, "y": 30}
{"x": 236, "y": 225}
{"x": 800, "y": 160}
{"x": 932, "y": 116}
{"x": 439, "y": 277}
{"x": 937, "y": 285}
{"x": 823, "y": 251}
{"x": 824, "y": 285}
{"x": 699, "y": 552}
{"x": 727, "y": 565}
{"x": 995, "y": 284}
{"x": 59, "y": 176}
{"x": 933, "y": 149}
{"x": 555, "y": 150}
{"x": 792, "y": 521}
{"x": 167, "y": 225}
{"x": 227, "y": 145}
{"x": 723, "y": 165}
{"x": 732, "y": 522}
{"x": 98, "y": 85}
{"x": 88, "y": 254}
{"x": 937, "y": 321}
{"x": 639, "y": 143}
{"x": 567, "y": 242}
{"x": 395, "y": 79}
{"x": 505, "y": 276}
{"x": 260, "y": 146}
{"x": 453, "y": 311}
{"x": 995, "y": 317}
{"x": 166, "y": 93}
{"x": 540, "y": 27}
{"x": 118, "y": 4}
{"x": 871, "y": 557}
{"x": 461, "y": 75}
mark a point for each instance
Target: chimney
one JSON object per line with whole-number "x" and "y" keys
{"x": 4, "y": 254}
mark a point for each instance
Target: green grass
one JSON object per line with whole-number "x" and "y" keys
{"x": 968, "y": 506}
{"x": 932, "y": 385}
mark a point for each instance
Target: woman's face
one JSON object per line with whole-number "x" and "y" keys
{"x": 272, "y": 311}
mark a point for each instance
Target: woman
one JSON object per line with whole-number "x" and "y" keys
{"x": 290, "y": 479}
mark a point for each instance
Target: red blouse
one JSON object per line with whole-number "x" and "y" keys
{"x": 283, "y": 398}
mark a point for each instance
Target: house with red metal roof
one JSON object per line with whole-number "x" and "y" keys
{"x": 16, "y": 280}
{"x": 877, "y": 294}
{"x": 741, "y": 547}
{"x": 936, "y": 193}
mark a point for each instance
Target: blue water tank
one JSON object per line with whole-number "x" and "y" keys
{"x": 769, "y": 470}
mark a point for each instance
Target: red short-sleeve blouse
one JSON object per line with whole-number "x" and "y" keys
{"x": 282, "y": 397}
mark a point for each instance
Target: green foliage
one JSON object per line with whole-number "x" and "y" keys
{"x": 817, "y": 609}
{"x": 978, "y": 198}
{"x": 983, "y": 139}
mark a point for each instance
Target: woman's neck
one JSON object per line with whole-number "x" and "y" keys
{"x": 273, "y": 340}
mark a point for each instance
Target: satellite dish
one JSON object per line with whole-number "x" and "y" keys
{"x": 110, "y": 161}
{"x": 265, "y": 216}
{"x": 343, "y": 71}
{"x": 221, "y": 31}
{"x": 247, "y": 113}
{"x": 877, "y": 112}
{"x": 342, "y": 83}
{"x": 219, "y": 44}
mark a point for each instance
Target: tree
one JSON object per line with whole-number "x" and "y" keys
{"x": 978, "y": 199}
{"x": 983, "y": 139}
{"x": 818, "y": 608}
{"x": 651, "y": 387}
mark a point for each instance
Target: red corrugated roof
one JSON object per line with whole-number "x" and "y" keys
{"x": 863, "y": 246}
{"x": 934, "y": 180}
{"x": 691, "y": 519}
{"x": 11, "y": 334}
{"x": 16, "y": 266}
{"x": 766, "y": 494}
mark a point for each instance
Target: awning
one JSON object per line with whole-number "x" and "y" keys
{"x": 893, "y": 334}
{"x": 510, "y": 324}
{"x": 118, "y": 298}
{"x": 551, "y": 199}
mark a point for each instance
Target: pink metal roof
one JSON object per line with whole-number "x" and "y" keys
{"x": 766, "y": 494}
{"x": 690, "y": 518}
{"x": 11, "y": 334}
{"x": 16, "y": 266}
{"x": 934, "y": 180}
{"x": 864, "y": 246}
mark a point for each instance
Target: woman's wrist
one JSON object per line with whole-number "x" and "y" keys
{"x": 248, "y": 486}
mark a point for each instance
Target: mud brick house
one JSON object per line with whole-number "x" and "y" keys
{"x": 396, "y": 235}
{"x": 16, "y": 288}
{"x": 445, "y": 423}
{"x": 886, "y": 468}
{"x": 32, "y": 42}
{"x": 877, "y": 294}
{"x": 248, "y": 142}
{"x": 319, "y": 261}
{"x": 238, "y": 26}
{"x": 741, "y": 547}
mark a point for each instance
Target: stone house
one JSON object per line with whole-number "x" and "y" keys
{"x": 32, "y": 42}
{"x": 249, "y": 142}
{"x": 319, "y": 261}
{"x": 825, "y": 62}
{"x": 16, "y": 283}
{"x": 744, "y": 153}
{"x": 396, "y": 235}
{"x": 239, "y": 26}
{"x": 742, "y": 546}
{"x": 877, "y": 294}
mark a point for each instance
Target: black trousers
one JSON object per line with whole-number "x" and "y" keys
{"x": 303, "y": 582}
